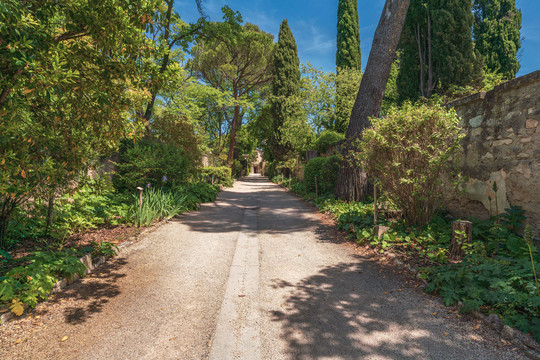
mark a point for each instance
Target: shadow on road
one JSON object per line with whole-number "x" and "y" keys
{"x": 273, "y": 205}
{"x": 94, "y": 292}
{"x": 341, "y": 313}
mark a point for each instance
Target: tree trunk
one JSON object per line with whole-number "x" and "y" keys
{"x": 50, "y": 212}
{"x": 234, "y": 125}
{"x": 6, "y": 211}
{"x": 420, "y": 58}
{"x": 352, "y": 182}
{"x": 430, "y": 85}
{"x": 461, "y": 234}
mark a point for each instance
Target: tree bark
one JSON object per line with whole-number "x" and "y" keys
{"x": 50, "y": 212}
{"x": 461, "y": 234}
{"x": 352, "y": 182}
{"x": 234, "y": 125}
{"x": 430, "y": 85}
{"x": 420, "y": 58}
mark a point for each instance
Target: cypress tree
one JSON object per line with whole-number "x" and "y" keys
{"x": 437, "y": 49}
{"x": 348, "y": 56}
{"x": 496, "y": 31}
{"x": 348, "y": 53}
{"x": 285, "y": 87}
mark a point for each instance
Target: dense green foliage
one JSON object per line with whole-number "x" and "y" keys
{"x": 197, "y": 193}
{"x": 68, "y": 86}
{"x": 93, "y": 204}
{"x": 320, "y": 98}
{"x": 237, "y": 60}
{"x": 217, "y": 175}
{"x": 348, "y": 58}
{"x": 436, "y": 49}
{"x": 31, "y": 282}
{"x": 496, "y": 32}
{"x": 326, "y": 139}
{"x": 286, "y": 85}
{"x": 325, "y": 169}
{"x": 406, "y": 153}
{"x": 150, "y": 162}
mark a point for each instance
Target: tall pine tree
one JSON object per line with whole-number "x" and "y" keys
{"x": 348, "y": 57}
{"x": 436, "y": 47}
{"x": 285, "y": 90}
{"x": 496, "y": 31}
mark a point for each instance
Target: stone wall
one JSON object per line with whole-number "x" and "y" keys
{"x": 502, "y": 145}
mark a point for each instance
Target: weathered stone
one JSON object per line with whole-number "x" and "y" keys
{"x": 531, "y": 123}
{"x": 476, "y": 121}
{"x": 512, "y": 114}
{"x": 494, "y": 121}
{"x": 502, "y": 142}
{"x": 523, "y": 156}
{"x": 509, "y": 130}
{"x": 87, "y": 261}
{"x": 507, "y": 332}
{"x": 488, "y": 156}
{"x": 525, "y": 140}
{"x": 524, "y": 170}
{"x": 379, "y": 230}
{"x": 483, "y": 191}
{"x": 494, "y": 321}
{"x": 476, "y": 132}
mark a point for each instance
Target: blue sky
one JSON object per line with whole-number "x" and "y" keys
{"x": 313, "y": 24}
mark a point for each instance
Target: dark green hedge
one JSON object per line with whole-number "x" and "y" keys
{"x": 222, "y": 175}
{"x": 326, "y": 170}
{"x": 150, "y": 161}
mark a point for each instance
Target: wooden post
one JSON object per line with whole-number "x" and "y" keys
{"x": 374, "y": 205}
{"x": 140, "y": 195}
{"x": 289, "y": 181}
{"x": 316, "y": 190}
{"x": 461, "y": 234}
{"x": 281, "y": 178}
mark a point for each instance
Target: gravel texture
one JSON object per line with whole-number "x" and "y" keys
{"x": 256, "y": 275}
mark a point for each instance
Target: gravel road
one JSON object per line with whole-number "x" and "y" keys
{"x": 256, "y": 275}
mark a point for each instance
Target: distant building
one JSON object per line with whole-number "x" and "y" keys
{"x": 258, "y": 165}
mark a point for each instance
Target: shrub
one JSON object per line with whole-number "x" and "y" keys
{"x": 407, "y": 152}
{"x": 326, "y": 170}
{"x": 221, "y": 175}
{"x": 271, "y": 169}
{"x": 197, "y": 193}
{"x": 238, "y": 168}
{"x": 326, "y": 139}
{"x": 150, "y": 161}
{"x": 157, "y": 204}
